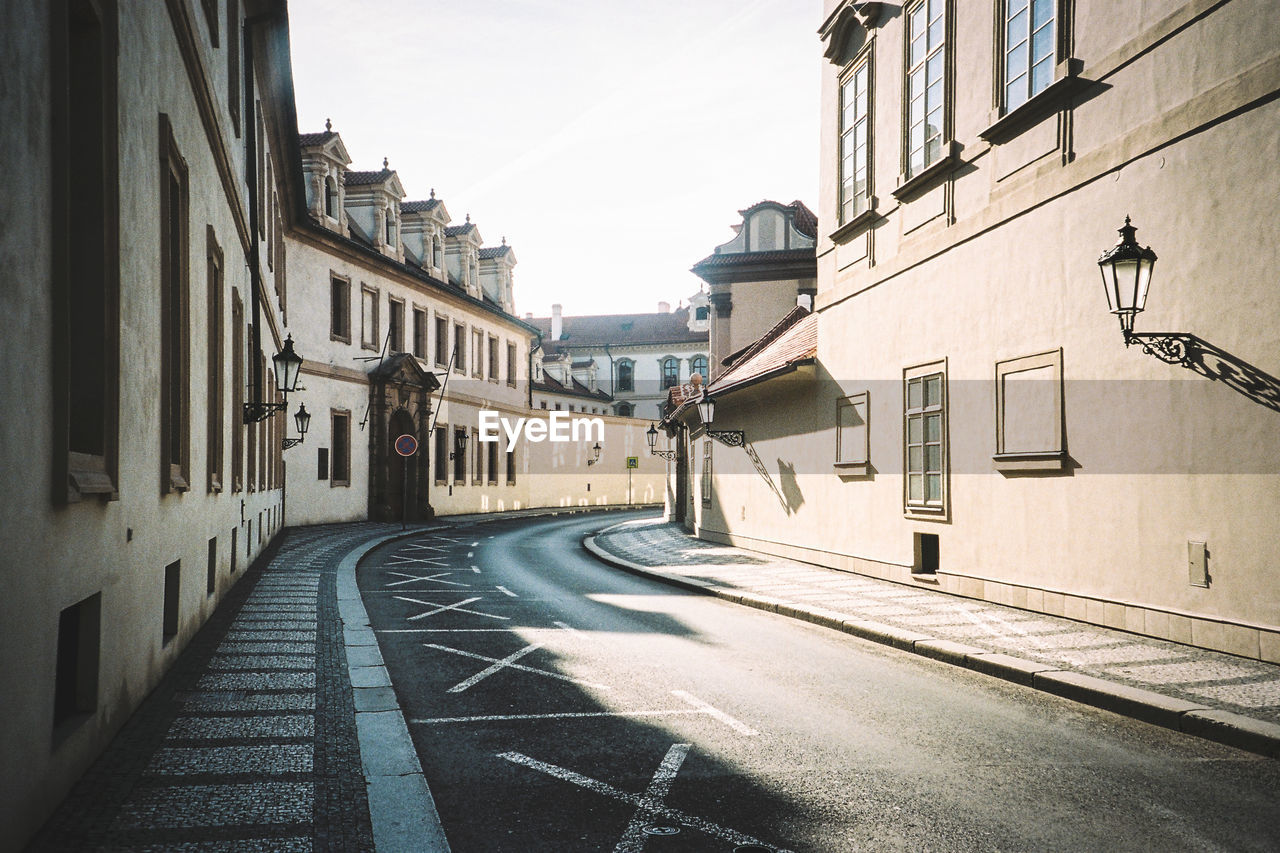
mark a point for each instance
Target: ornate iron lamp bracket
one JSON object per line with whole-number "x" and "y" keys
{"x": 1170, "y": 347}
{"x": 728, "y": 437}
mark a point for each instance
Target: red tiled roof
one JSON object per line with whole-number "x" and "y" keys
{"x": 792, "y": 340}
{"x": 623, "y": 329}
{"x": 805, "y": 220}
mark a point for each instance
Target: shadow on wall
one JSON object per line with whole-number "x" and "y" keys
{"x": 788, "y": 493}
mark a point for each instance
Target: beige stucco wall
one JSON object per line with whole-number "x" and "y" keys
{"x": 998, "y": 262}
{"x": 52, "y": 556}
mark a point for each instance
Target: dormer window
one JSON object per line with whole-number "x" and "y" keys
{"x": 330, "y": 197}
{"x": 391, "y": 227}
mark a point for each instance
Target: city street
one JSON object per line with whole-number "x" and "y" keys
{"x": 559, "y": 704}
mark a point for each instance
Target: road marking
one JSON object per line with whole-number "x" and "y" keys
{"x": 505, "y": 591}
{"x": 411, "y": 578}
{"x": 562, "y": 626}
{"x": 474, "y": 544}
{"x": 653, "y": 798}
{"x": 440, "y": 608}
{"x": 444, "y": 630}
{"x": 444, "y": 538}
{"x": 563, "y": 715}
{"x": 488, "y": 671}
{"x": 604, "y": 789}
{"x": 475, "y": 569}
{"x": 404, "y": 561}
{"x": 505, "y": 664}
{"x": 470, "y": 554}
{"x": 736, "y": 725}
{"x": 422, "y": 547}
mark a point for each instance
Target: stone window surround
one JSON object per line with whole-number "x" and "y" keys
{"x": 1012, "y": 460}
{"x": 941, "y": 510}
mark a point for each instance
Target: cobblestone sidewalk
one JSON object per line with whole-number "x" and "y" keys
{"x": 249, "y": 741}
{"x": 961, "y": 629}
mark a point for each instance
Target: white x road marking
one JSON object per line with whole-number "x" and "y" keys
{"x": 404, "y": 561}
{"x": 422, "y": 547}
{"x": 440, "y": 608}
{"x": 506, "y": 663}
{"x": 647, "y": 803}
{"x": 654, "y": 797}
{"x": 411, "y": 578}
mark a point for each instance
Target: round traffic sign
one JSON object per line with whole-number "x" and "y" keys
{"x": 406, "y": 445}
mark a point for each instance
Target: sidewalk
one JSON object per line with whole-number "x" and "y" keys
{"x": 249, "y": 741}
{"x": 1217, "y": 696}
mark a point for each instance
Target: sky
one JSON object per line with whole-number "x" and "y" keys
{"x": 611, "y": 143}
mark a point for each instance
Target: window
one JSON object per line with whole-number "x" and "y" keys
{"x": 925, "y": 415}
{"x": 493, "y": 359}
{"x": 1029, "y": 426}
{"x": 441, "y": 457}
{"x": 853, "y": 434}
{"x": 1029, "y": 49}
{"x": 172, "y": 599}
{"x": 330, "y": 197}
{"x": 699, "y": 365}
{"x": 460, "y": 347}
{"x": 543, "y": 403}
{"x": 626, "y": 375}
{"x": 85, "y": 255}
{"x": 339, "y": 309}
{"x": 702, "y": 312}
{"x": 557, "y": 407}
{"x": 625, "y": 410}
{"x": 238, "y": 358}
{"x": 322, "y": 463}
{"x": 511, "y": 364}
{"x": 706, "y": 473}
{"x": 493, "y": 463}
{"x": 174, "y": 345}
{"x": 855, "y": 133}
{"x": 216, "y": 413}
{"x": 477, "y": 476}
{"x": 926, "y": 82}
{"x": 75, "y": 681}
{"x": 460, "y": 458}
{"x": 477, "y": 354}
{"x": 925, "y": 549}
{"x": 233, "y": 63}
{"x": 391, "y": 228}
{"x": 442, "y": 341}
{"x": 211, "y": 19}
{"x": 670, "y": 372}
{"x": 340, "y": 439}
{"x": 395, "y": 325}
{"x": 369, "y": 319}
{"x": 211, "y": 572}
{"x": 420, "y": 333}
{"x": 511, "y": 467}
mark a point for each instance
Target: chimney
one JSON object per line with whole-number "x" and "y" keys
{"x": 557, "y": 325}
{"x": 664, "y": 307}
{"x": 805, "y": 301}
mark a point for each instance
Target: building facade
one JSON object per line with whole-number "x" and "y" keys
{"x": 973, "y": 420}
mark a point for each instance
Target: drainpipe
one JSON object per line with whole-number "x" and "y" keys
{"x": 538, "y": 337}
{"x": 250, "y": 116}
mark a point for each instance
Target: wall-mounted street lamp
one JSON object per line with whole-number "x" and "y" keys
{"x": 459, "y": 444}
{"x": 595, "y": 455}
{"x": 731, "y": 437}
{"x": 1126, "y": 277}
{"x": 285, "y": 365}
{"x": 652, "y": 436}
{"x": 301, "y": 418}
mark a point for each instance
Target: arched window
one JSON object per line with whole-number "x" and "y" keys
{"x": 625, "y": 410}
{"x": 699, "y": 365}
{"x": 330, "y": 198}
{"x": 670, "y": 372}
{"x": 626, "y": 376}
{"x": 702, "y": 312}
{"x": 391, "y": 227}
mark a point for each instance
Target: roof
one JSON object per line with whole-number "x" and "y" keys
{"x": 419, "y": 206}
{"x": 488, "y": 252}
{"x": 358, "y": 179}
{"x": 551, "y": 385}
{"x": 305, "y": 139}
{"x": 791, "y": 341}
{"x": 804, "y": 219}
{"x": 623, "y": 329}
{"x": 731, "y": 259}
{"x": 455, "y": 230}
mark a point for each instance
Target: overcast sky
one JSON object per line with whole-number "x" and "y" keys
{"x": 612, "y": 143}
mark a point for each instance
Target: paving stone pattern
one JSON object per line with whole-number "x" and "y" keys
{"x": 1244, "y": 686}
{"x": 249, "y": 741}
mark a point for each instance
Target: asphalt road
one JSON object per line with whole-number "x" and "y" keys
{"x": 558, "y": 704}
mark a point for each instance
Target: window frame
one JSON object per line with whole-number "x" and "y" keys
{"x": 855, "y": 461}
{"x": 342, "y": 282}
{"x": 630, "y": 385}
{"x": 441, "y": 341}
{"x": 340, "y": 452}
{"x": 861, "y": 63}
{"x": 1007, "y": 460}
{"x": 477, "y": 353}
{"x": 440, "y": 447}
{"x": 214, "y": 440}
{"x": 1001, "y": 53}
{"x": 924, "y": 508}
{"x": 662, "y": 372}
{"x": 477, "y": 459}
{"x": 706, "y": 472}
{"x": 421, "y": 334}
{"x": 706, "y": 368}
{"x": 512, "y": 359}
{"x": 945, "y": 131}
{"x": 495, "y": 366}
{"x": 460, "y": 347}
{"x": 374, "y": 344}
{"x": 175, "y": 316}
{"x": 395, "y": 324}
{"x": 459, "y": 459}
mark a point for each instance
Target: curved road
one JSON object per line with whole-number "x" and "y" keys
{"x": 558, "y": 704}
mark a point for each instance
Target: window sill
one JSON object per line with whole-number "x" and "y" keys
{"x": 925, "y": 513}
{"x": 1050, "y": 460}
{"x": 1066, "y": 83}
{"x": 87, "y": 475}
{"x": 334, "y": 484}
{"x": 857, "y": 223}
{"x": 908, "y": 187}
{"x": 852, "y": 469}
{"x": 342, "y": 339}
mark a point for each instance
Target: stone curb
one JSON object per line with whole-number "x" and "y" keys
{"x": 1225, "y": 727}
